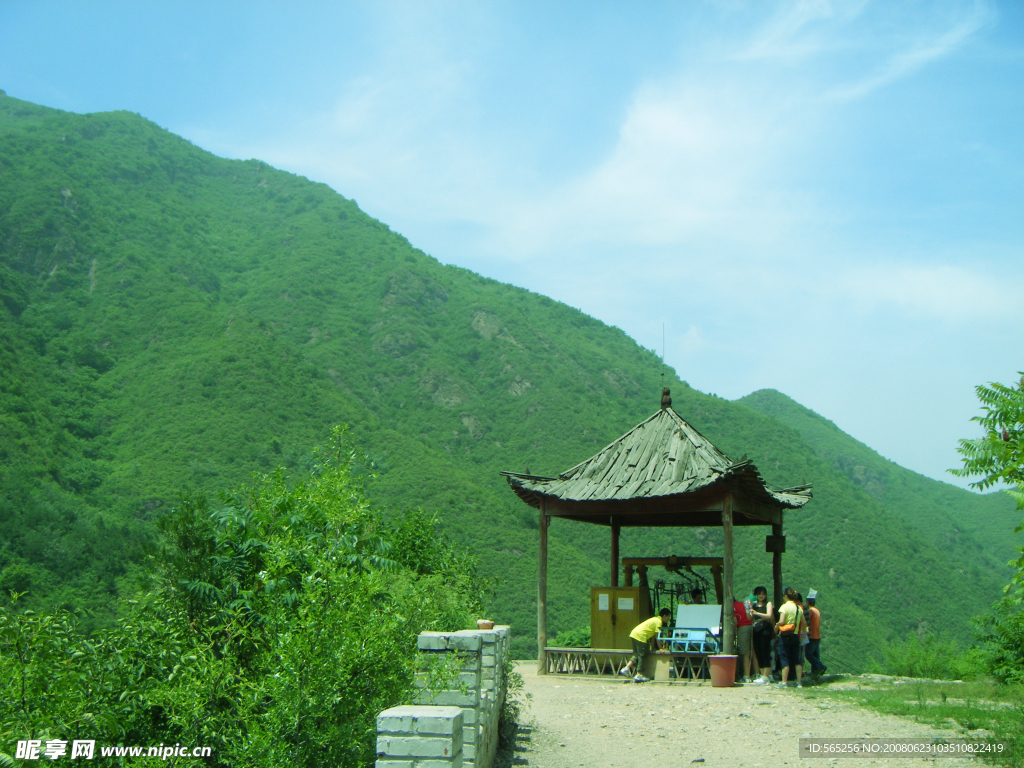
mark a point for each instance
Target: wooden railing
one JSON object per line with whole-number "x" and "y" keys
{"x": 608, "y": 661}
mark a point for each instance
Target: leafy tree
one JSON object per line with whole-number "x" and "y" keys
{"x": 278, "y": 626}
{"x": 935, "y": 657}
{"x": 998, "y": 457}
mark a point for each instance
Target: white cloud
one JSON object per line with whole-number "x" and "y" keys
{"x": 795, "y": 32}
{"x": 942, "y": 291}
{"x": 693, "y": 161}
{"x": 928, "y": 47}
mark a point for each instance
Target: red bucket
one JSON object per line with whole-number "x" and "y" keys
{"x": 723, "y": 670}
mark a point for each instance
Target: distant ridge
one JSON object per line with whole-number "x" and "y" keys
{"x": 972, "y": 526}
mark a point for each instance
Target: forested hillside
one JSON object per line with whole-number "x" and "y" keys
{"x": 171, "y": 319}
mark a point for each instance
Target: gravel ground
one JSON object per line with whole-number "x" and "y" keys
{"x": 604, "y": 723}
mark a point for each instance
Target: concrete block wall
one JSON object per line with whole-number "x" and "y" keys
{"x": 478, "y": 694}
{"x": 419, "y": 737}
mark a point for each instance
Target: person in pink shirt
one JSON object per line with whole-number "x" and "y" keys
{"x": 744, "y": 636}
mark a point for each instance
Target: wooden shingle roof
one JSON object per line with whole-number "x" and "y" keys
{"x": 660, "y": 458}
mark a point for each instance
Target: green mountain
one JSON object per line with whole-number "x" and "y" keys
{"x": 169, "y": 319}
{"x": 972, "y": 527}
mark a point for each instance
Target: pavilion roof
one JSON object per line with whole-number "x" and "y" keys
{"x": 662, "y": 456}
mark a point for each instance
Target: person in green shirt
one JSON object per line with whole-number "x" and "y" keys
{"x": 791, "y": 623}
{"x": 641, "y": 636}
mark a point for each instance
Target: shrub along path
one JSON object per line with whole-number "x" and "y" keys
{"x": 604, "y": 723}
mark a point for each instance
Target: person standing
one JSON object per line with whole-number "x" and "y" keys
{"x": 763, "y": 616}
{"x": 791, "y": 622}
{"x": 641, "y": 636}
{"x": 744, "y": 636}
{"x": 814, "y": 634}
{"x": 804, "y": 637}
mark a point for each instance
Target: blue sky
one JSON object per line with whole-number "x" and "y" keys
{"x": 823, "y": 198}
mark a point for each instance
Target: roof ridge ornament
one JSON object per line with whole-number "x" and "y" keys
{"x": 666, "y": 399}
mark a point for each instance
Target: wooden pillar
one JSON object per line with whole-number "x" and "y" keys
{"x": 615, "y": 553}
{"x": 542, "y": 591}
{"x": 629, "y": 575}
{"x": 716, "y": 576}
{"x": 643, "y": 600}
{"x": 777, "y": 565}
{"x": 728, "y": 619}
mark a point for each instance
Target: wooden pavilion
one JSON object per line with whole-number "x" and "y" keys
{"x": 662, "y": 472}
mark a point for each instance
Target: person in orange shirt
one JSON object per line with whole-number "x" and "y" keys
{"x": 814, "y": 630}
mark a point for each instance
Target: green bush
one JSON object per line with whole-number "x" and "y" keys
{"x": 573, "y": 638}
{"x": 280, "y": 625}
{"x": 935, "y": 658}
{"x": 1002, "y": 633}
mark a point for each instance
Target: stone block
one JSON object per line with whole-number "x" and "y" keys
{"x": 464, "y": 640}
{"x": 443, "y": 723}
{"x": 455, "y": 762}
{"x": 424, "y": 719}
{"x": 448, "y": 698}
{"x": 487, "y": 661}
{"x": 419, "y": 746}
{"x": 432, "y": 641}
{"x": 397, "y": 719}
{"x": 470, "y": 715}
{"x": 385, "y": 763}
{"x": 468, "y": 752}
{"x": 469, "y": 734}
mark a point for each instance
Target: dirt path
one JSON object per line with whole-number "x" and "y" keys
{"x": 604, "y": 723}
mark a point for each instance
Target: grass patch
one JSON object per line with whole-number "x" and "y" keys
{"x": 989, "y": 712}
